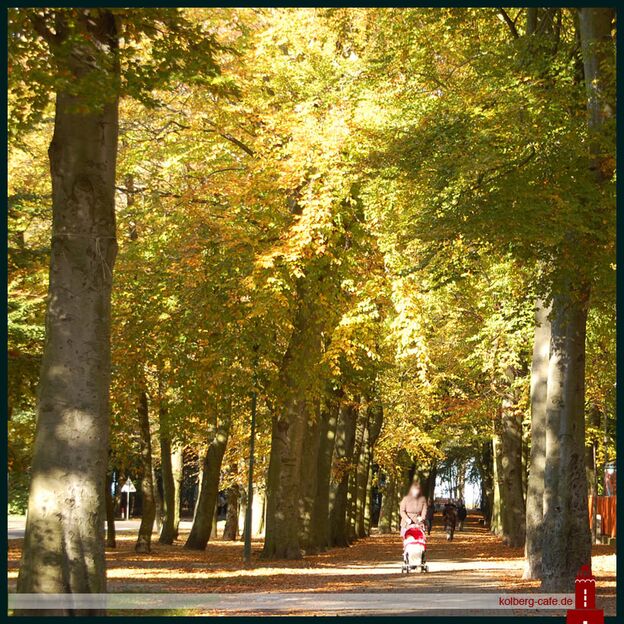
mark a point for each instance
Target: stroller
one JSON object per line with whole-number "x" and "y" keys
{"x": 414, "y": 549}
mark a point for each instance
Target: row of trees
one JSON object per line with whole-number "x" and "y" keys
{"x": 350, "y": 216}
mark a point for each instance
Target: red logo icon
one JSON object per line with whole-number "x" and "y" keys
{"x": 585, "y": 611}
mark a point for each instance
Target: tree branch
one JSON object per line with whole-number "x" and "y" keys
{"x": 509, "y": 22}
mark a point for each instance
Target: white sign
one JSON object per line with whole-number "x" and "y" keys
{"x": 128, "y": 486}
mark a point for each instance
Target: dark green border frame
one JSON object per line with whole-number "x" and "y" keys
{"x": 620, "y": 308}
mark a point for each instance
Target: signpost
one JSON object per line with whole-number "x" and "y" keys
{"x": 128, "y": 488}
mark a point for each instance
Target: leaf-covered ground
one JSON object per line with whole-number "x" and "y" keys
{"x": 475, "y": 561}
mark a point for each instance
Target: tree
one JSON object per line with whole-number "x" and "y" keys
{"x": 73, "y": 401}
{"x": 79, "y": 50}
{"x": 567, "y": 540}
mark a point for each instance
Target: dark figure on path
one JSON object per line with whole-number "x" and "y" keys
{"x": 461, "y": 514}
{"x": 430, "y": 514}
{"x": 450, "y": 520}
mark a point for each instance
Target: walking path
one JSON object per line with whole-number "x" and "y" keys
{"x": 475, "y": 562}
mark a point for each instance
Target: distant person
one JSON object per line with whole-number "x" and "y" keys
{"x": 449, "y": 516}
{"x": 430, "y": 514}
{"x": 413, "y": 507}
{"x": 461, "y": 514}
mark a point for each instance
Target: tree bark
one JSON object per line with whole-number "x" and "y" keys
{"x": 63, "y": 548}
{"x": 209, "y": 489}
{"x": 230, "y": 531}
{"x": 297, "y": 385}
{"x": 359, "y": 472}
{"x": 567, "y": 539}
{"x": 309, "y": 479}
{"x": 597, "y": 51}
{"x": 171, "y": 468}
{"x": 486, "y": 473}
{"x": 387, "y": 504}
{"x": 362, "y": 477}
{"x": 535, "y": 489}
{"x": 110, "y": 514}
{"x": 327, "y": 435}
{"x": 509, "y": 470}
{"x": 496, "y": 521}
{"x": 342, "y": 466}
{"x": 148, "y": 515}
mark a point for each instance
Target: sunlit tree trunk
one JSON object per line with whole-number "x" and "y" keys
{"x": 362, "y": 490}
{"x": 496, "y": 522}
{"x": 354, "y": 488}
{"x": 535, "y": 489}
{"x": 567, "y": 542}
{"x": 296, "y": 377}
{"x": 509, "y": 469}
{"x": 171, "y": 468}
{"x": 327, "y": 435}
{"x": 63, "y": 549}
{"x": 485, "y": 464}
{"x": 567, "y": 538}
{"x": 309, "y": 477}
{"x": 209, "y": 489}
{"x": 148, "y": 509}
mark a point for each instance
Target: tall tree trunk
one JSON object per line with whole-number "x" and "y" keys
{"x": 230, "y": 531}
{"x": 486, "y": 474}
{"x": 509, "y": 470}
{"x": 535, "y": 489}
{"x": 342, "y": 466}
{"x": 309, "y": 478}
{"x": 430, "y": 481}
{"x": 496, "y": 521}
{"x": 327, "y": 435}
{"x": 362, "y": 499}
{"x": 388, "y": 498}
{"x": 375, "y": 423}
{"x": 597, "y": 50}
{"x": 271, "y": 485}
{"x": 567, "y": 538}
{"x": 209, "y": 489}
{"x": 461, "y": 473}
{"x": 368, "y": 508}
{"x": 110, "y": 514}
{"x": 63, "y": 548}
{"x": 592, "y": 469}
{"x": 353, "y": 494}
{"x": 148, "y": 515}
{"x": 290, "y": 421}
{"x": 171, "y": 468}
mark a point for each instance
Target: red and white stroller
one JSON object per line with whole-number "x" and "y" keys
{"x": 414, "y": 549}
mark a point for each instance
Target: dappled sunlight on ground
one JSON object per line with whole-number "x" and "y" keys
{"x": 474, "y": 561}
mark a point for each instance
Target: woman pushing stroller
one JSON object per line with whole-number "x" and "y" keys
{"x": 413, "y": 512}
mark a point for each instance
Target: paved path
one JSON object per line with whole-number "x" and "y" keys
{"x": 17, "y": 524}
